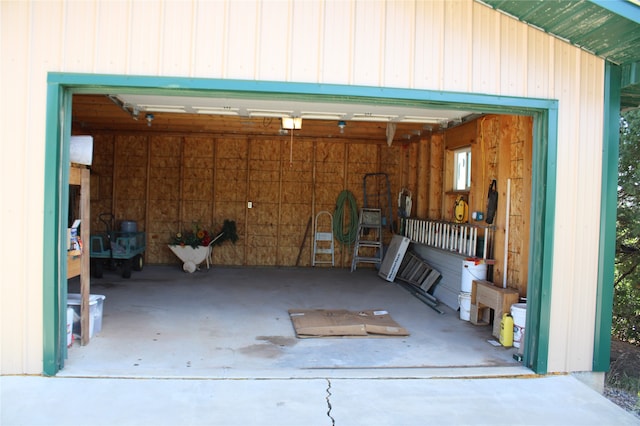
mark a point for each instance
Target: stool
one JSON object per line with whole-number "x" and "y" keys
{"x": 484, "y": 296}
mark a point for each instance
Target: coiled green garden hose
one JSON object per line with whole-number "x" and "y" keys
{"x": 345, "y": 233}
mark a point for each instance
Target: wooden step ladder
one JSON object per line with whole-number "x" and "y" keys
{"x": 323, "y": 241}
{"x": 368, "y": 238}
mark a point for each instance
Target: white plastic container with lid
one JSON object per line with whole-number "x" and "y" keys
{"x": 96, "y": 304}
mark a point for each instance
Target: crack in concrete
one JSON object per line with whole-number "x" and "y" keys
{"x": 333, "y": 421}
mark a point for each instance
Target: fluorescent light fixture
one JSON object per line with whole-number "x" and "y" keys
{"x": 316, "y": 115}
{"x": 372, "y": 117}
{"x": 291, "y": 123}
{"x": 163, "y": 108}
{"x": 268, "y": 113}
{"x": 420, "y": 119}
{"x": 216, "y": 110}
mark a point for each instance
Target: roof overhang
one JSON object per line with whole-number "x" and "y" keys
{"x": 609, "y": 29}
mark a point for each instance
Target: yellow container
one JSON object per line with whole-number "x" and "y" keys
{"x": 506, "y": 331}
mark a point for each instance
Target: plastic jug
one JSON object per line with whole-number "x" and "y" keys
{"x": 506, "y": 331}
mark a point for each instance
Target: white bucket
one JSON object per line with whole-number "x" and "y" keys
{"x": 472, "y": 270}
{"x": 519, "y": 314}
{"x": 70, "y": 313}
{"x": 464, "y": 302}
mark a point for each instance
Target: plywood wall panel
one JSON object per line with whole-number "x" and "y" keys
{"x": 166, "y": 187}
{"x": 198, "y": 184}
{"x": 130, "y": 179}
{"x": 329, "y": 152}
{"x": 198, "y": 212}
{"x": 326, "y": 194}
{"x": 229, "y": 254}
{"x": 162, "y": 213}
{"x": 297, "y": 193}
{"x": 199, "y": 149}
{"x": 330, "y": 171}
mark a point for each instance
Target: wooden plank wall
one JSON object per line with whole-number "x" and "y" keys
{"x": 170, "y": 182}
{"x": 502, "y": 150}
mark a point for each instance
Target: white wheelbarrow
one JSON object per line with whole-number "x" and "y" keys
{"x": 192, "y": 257}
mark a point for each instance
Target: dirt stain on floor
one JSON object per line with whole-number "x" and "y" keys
{"x": 271, "y": 348}
{"x": 281, "y": 341}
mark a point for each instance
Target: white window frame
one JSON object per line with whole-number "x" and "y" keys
{"x": 462, "y": 169}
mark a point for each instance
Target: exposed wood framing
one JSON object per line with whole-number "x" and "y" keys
{"x": 167, "y": 181}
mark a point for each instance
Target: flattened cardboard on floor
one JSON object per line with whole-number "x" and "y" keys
{"x": 340, "y": 322}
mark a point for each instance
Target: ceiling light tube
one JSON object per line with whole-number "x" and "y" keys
{"x": 322, "y": 115}
{"x": 373, "y": 117}
{"x": 268, "y": 113}
{"x": 162, "y": 108}
{"x": 216, "y": 111}
{"x": 419, "y": 119}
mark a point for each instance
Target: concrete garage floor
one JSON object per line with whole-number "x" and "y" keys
{"x": 217, "y": 348}
{"x": 233, "y": 322}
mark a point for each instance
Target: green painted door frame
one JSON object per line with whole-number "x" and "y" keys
{"x": 61, "y": 87}
{"x": 608, "y": 216}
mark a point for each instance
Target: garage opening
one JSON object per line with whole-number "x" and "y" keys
{"x": 168, "y": 171}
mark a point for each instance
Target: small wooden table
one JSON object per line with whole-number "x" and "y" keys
{"x": 484, "y": 296}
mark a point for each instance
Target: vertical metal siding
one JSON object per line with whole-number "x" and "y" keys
{"x": 399, "y": 44}
{"x": 458, "y": 24}
{"x": 243, "y": 34}
{"x": 176, "y": 38}
{"x": 111, "y": 37}
{"x": 209, "y": 30}
{"x": 562, "y": 304}
{"x": 273, "y": 42}
{"x": 79, "y": 36}
{"x": 539, "y": 48}
{"x": 486, "y": 48}
{"x": 307, "y": 47}
{"x": 368, "y": 44}
{"x": 337, "y": 52}
{"x": 429, "y": 45}
{"x": 589, "y": 158}
{"x": 438, "y": 45}
{"x": 145, "y": 37}
{"x": 513, "y": 66}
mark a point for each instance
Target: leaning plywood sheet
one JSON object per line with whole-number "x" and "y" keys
{"x": 340, "y": 322}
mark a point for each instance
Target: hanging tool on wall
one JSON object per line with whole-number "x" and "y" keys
{"x": 492, "y": 202}
{"x": 460, "y": 210}
{"x": 404, "y": 203}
